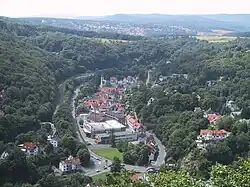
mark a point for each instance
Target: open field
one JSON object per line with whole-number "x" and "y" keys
{"x": 108, "y": 153}
{"x": 222, "y": 32}
{"x": 216, "y": 39}
{"x": 106, "y": 40}
{"x": 100, "y": 177}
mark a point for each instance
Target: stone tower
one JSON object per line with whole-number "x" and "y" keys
{"x": 149, "y": 78}
{"x": 103, "y": 82}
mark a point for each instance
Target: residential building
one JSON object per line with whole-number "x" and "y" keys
{"x": 128, "y": 135}
{"x": 235, "y": 114}
{"x": 70, "y": 164}
{"x": 138, "y": 176}
{"x": 133, "y": 122}
{"x": 232, "y": 106}
{"x": 198, "y": 109}
{"x": 29, "y": 148}
{"x": 113, "y": 81}
{"x": 207, "y": 137}
{"x": 244, "y": 121}
{"x": 212, "y": 118}
{"x": 150, "y": 101}
{"x": 53, "y": 140}
{"x": 212, "y": 135}
{"x": 150, "y": 142}
{"x": 4, "y": 155}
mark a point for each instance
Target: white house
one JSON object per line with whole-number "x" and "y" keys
{"x": 4, "y": 155}
{"x": 70, "y": 164}
{"x": 29, "y": 148}
{"x": 53, "y": 141}
{"x": 150, "y": 101}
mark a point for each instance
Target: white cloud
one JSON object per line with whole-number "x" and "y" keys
{"x": 16, "y": 8}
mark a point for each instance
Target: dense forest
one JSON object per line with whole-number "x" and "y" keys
{"x": 35, "y": 59}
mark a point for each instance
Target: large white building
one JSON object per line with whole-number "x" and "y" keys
{"x": 93, "y": 128}
{"x": 70, "y": 164}
{"x": 128, "y": 135}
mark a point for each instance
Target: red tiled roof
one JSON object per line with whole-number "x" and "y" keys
{"x": 136, "y": 177}
{"x": 73, "y": 160}
{"x": 29, "y": 146}
{"x": 213, "y": 132}
{"x": 134, "y": 122}
{"x": 113, "y": 78}
{"x": 108, "y": 89}
{"x": 96, "y": 103}
{"x": 151, "y": 148}
{"x": 213, "y": 117}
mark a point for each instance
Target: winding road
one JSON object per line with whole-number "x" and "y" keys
{"x": 100, "y": 162}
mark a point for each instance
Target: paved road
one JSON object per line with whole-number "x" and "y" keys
{"x": 162, "y": 153}
{"x": 52, "y": 126}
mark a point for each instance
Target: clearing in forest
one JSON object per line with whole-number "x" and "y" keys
{"x": 216, "y": 39}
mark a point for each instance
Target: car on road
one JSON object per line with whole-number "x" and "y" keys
{"x": 97, "y": 170}
{"x": 88, "y": 143}
{"x": 105, "y": 167}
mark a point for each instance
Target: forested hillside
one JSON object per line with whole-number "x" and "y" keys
{"x": 199, "y": 78}
{"x": 187, "y": 74}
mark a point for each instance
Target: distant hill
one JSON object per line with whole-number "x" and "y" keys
{"x": 234, "y": 22}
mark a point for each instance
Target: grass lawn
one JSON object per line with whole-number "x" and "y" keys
{"x": 100, "y": 177}
{"x": 216, "y": 39}
{"x": 108, "y": 153}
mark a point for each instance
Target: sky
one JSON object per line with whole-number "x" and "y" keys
{"x": 72, "y": 8}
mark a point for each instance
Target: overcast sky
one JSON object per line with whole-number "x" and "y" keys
{"x": 23, "y": 8}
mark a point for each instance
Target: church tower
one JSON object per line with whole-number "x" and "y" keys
{"x": 103, "y": 82}
{"x": 149, "y": 78}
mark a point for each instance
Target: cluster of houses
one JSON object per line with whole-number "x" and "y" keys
{"x": 67, "y": 165}
{"x": 208, "y": 136}
{"x": 126, "y": 82}
{"x": 107, "y": 114}
{"x": 174, "y": 75}
{"x": 32, "y": 149}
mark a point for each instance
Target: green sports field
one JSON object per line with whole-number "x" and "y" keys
{"x": 108, "y": 153}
